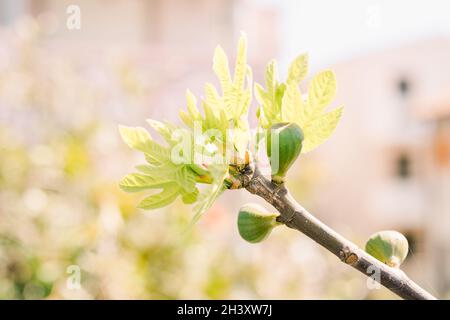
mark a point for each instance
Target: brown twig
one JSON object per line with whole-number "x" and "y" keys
{"x": 296, "y": 217}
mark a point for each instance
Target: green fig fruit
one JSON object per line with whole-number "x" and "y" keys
{"x": 284, "y": 144}
{"x": 390, "y": 247}
{"x": 255, "y": 223}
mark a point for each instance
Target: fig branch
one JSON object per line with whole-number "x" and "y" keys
{"x": 291, "y": 123}
{"x": 294, "y": 216}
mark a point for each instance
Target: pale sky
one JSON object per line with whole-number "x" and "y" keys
{"x": 334, "y": 30}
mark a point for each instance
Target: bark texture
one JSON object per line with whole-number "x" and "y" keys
{"x": 296, "y": 217}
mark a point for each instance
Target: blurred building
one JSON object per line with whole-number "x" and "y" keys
{"x": 388, "y": 162}
{"x": 171, "y": 41}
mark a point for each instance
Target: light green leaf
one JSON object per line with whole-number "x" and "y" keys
{"x": 220, "y": 67}
{"x": 292, "y": 103}
{"x": 240, "y": 70}
{"x": 322, "y": 91}
{"x": 244, "y": 96}
{"x": 241, "y": 140}
{"x": 161, "y": 199}
{"x": 185, "y": 178}
{"x": 163, "y": 129}
{"x": 198, "y": 169}
{"x": 191, "y": 102}
{"x": 225, "y": 110}
{"x": 166, "y": 170}
{"x": 298, "y": 69}
{"x": 211, "y": 120}
{"x": 137, "y": 138}
{"x": 136, "y": 182}
{"x": 279, "y": 93}
{"x": 157, "y": 154}
{"x": 212, "y": 97}
{"x": 270, "y": 100}
{"x": 236, "y": 98}
{"x": 261, "y": 95}
{"x": 320, "y": 129}
{"x": 189, "y": 197}
{"x": 153, "y": 161}
{"x": 210, "y": 193}
{"x": 206, "y": 200}
{"x": 271, "y": 78}
{"x": 186, "y": 118}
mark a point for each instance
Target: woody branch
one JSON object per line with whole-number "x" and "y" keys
{"x": 294, "y": 216}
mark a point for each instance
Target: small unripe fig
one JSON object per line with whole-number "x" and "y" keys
{"x": 390, "y": 247}
{"x": 255, "y": 223}
{"x": 284, "y": 144}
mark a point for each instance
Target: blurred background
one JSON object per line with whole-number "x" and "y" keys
{"x": 68, "y": 232}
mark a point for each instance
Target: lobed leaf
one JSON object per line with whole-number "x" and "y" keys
{"x": 292, "y": 104}
{"x": 240, "y": 70}
{"x": 318, "y": 130}
{"x": 212, "y": 97}
{"x": 163, "y": 129}
{"x": 220, "y": 67}
{"x": 136, "y": 138}
{"x": 207, "y": 197}
{"x": 224, "y": 117}
{"x": 189, "y": 197}
{"x": 298, "y": 69}
{"x": 168, "y": 194}
{"x": 271, "y": 78}
{"x": 185, "y": 178}
{"x": 136, "y": 182}
{"x": 191, "y": 102}
{"x": 322, "y": 91}
{"x": 165, "y": 170}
